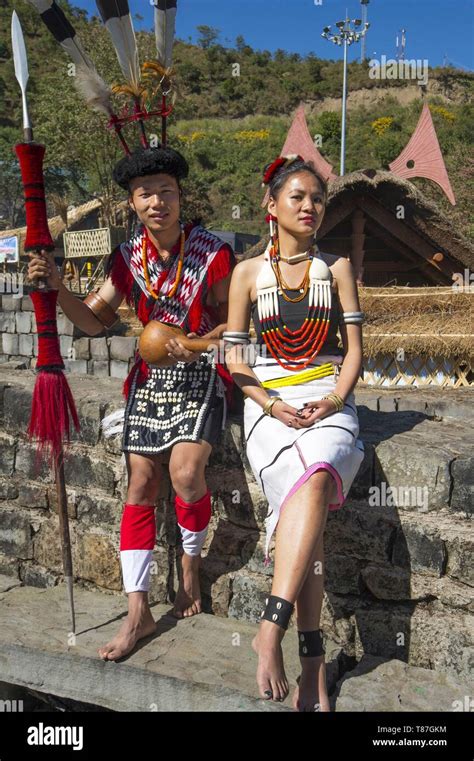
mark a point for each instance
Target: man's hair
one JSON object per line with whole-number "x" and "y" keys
{"x": 144, "y": 161}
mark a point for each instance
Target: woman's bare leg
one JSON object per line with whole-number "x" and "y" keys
{"x": 311, "y": 693}
{"x": 144, "y": 475}
{"x": 300, "y": 526}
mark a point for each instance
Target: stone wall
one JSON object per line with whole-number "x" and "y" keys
{"x": 399, "y": 580}
{"x": 108, "y": 355}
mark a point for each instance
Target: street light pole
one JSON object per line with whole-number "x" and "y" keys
{"x": 346, "y": 36}
{"x": 343, "y": 124}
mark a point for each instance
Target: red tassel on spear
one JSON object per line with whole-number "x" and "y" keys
{"x": 53, "y": 405}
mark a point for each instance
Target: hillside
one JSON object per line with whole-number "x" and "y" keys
{"x": 242, "y": 124}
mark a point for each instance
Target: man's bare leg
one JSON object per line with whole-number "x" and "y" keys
{"x": 187, "y": 466}
{"x": 144, "y": 473}
{"x": 138, "y": 624}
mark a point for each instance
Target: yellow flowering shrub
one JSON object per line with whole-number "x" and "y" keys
{"x": 382, "y": 125}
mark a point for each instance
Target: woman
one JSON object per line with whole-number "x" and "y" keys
{"x": 300, "y": 417}
{"x": 178, "y": 274}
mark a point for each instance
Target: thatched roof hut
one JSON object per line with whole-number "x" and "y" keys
{"x": 410, "y": 260}
{"x": 392, "y": 233}
{"x": 86, "y": 216}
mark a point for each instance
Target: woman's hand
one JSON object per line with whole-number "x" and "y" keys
{"x": 178, "y": 351}
{"x": 317, "y": 410}
{"x": 288, "y": 415}
{"x": 42, "y": 266}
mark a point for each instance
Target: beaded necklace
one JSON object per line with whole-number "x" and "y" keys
{"x": 279, "y": 339}
{"x": 145, "y": 248}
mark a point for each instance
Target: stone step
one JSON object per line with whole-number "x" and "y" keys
{"x": 203, "y": 663}
{"x": 380, "y": 685}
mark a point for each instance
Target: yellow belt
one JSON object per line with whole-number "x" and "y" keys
{"x": 306, "y": 375}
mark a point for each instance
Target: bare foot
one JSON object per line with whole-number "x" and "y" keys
{"x": 311, "y": 693}
{"x": 138, "y": 624}
{"x": 271, "y": 677}
{"x": 188, "y": 597}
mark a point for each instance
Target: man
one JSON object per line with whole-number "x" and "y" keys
{"x": 178, "y": 274}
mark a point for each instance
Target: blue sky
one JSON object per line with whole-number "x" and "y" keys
{"x": 434, "y": 28}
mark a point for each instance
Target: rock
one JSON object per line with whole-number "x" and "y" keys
{"x": 65, "y": 326}
{"x": 118, "y": 369}
{"x": 100, "y": 368}
{"x": 47, "y": 545}
{"x": 248, "y": 596}
{"x": 204, "y": 663}
{"x": 236, "y": 498}
{"x": 397, "y": 464}
{"x": 96, "y": 558}
{"x": 15, "y": 534}
{"x": 460, "y": 550}
{"x": 8, "y": 582}
{"x": 7, "y": 322}
{"x": 8, "y": 489}
{"x": 32, "y": 495}
{"x": 76, "y": 366}
{"x": 83, "y": 469}
{"x": 361, "y": 532}
{"x": 99, "y": 348}
{"x": 462, "y": 497}
{"x": 10, "y": 343}
{"x": 29, "y": 465}
{"x": 342, "y": 574}
{"x": 25, "y": 345}
{"x": 122, "y": 348}
{"x": 81, "y": 348}
{"x": 23, "y": 322}
{"x": 90, "y": 412}
{"x": 419, "y": 548}
{"x": 95, "y": 509}
{"x": 11, "y": 303}
{"x": 7, "y": 454}
{"x": 65, "y": 342}
{"x": 379, "y": 685}
{"x": 37, "y": 576}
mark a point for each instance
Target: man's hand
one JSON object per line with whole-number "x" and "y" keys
{"x": 179, "y": 353}
{"x": 42, "y": 266}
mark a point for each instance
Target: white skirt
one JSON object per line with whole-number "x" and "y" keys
{"x": 283, "y": 458}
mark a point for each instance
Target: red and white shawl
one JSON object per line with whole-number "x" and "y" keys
{"x": 207, "y": 259}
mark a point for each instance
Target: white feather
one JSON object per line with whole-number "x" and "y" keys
{"x": 93, "y": 89}
{"x": 71, "y": 44}
{"x": 113, "y": 423}
{"x": 122, "y": 33}
{"x": 165, "y": 22}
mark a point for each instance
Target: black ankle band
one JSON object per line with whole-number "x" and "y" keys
{"x": 310, "y": 644}
{"x": 278, "y": 611}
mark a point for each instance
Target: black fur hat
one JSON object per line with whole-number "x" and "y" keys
{"x": 144, "y": 161}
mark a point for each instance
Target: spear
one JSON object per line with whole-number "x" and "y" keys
{"x": 53, "y": 404}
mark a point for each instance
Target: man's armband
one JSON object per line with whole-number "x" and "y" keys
{"x": 101, "y": 310}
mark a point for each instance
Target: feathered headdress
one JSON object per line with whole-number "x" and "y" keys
{"x": 143, "y": 87}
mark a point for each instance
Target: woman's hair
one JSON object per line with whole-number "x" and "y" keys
{"x": 283, "y": 173}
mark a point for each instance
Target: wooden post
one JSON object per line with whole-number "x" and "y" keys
{"x": 357, "y": 248}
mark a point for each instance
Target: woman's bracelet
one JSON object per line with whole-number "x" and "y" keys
{"x": 337, "y": 400}
{"x": 267, "y": 407}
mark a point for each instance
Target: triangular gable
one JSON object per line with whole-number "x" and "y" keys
{"x": 422, "y": 156}
{"x": 300, "y": 141}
